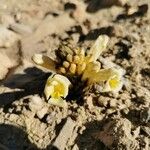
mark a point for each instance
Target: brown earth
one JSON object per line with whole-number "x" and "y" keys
{"x": 101, "y": 121}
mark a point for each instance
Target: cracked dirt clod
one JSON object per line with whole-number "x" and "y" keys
{"x": 64, "y": 134}
{"x": 42, "y": 112}
{"x": 36, "y": 103}
{"x": 118, "y": 133}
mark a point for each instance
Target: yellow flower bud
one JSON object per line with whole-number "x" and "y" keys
{"x": 72, "y": 68}
{"x": 66, "y": 64}
{"x": 82, "y": 57}
{"x": 68, "y": 50}
{"x": 62, "y": 70}
{"x": 82, "y": 52}
{"x": 69, "y": 57}
{"x": 76, "y": 59}
{"x": 81, "y": 68}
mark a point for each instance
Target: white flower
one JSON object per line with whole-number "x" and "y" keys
{"x": 56, "y": 89}
{"x": 115, "y": 81}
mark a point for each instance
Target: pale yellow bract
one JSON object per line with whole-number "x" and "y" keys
{"x": 98, "y": 47}
{"x": 44, "y": 61}
{"x": 84, "y": 65}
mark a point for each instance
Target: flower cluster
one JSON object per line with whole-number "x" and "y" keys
{"x": 78, "y": 62}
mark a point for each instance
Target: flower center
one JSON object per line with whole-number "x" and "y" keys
{"x": 58, "y": 90}
{"x": 114, "y": 82}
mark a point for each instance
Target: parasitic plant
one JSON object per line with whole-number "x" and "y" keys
{"x": 76, "y": 62}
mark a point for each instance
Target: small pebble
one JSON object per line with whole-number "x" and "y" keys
{"x": 36, "y": 103}
{"x": 41, "y": 113}
{"x": 37, "y": 100}
{"x": 102, "y": 102}
{"x": 113, "y": 103}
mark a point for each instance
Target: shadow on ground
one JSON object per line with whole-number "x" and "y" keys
{"x": 96, "y": 5}
{"x": 141, "y": 11}
{"x": 30, "y": 83}
{"x": 14, "y": 138}
{"x": 95, "y": 33}
{"x": 88, "y": 139}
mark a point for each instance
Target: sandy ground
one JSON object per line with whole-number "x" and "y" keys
{"x": 100, "y": 122}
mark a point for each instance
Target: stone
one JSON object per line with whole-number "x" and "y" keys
{"x": 41, "y": 113}
{"x": 79, "y": 13}
{"x": 113, "y": 103}
{"x": 102, "y": 101}
{"x": 21, "y": 28}
{"x": 117, "y": 132}
{"x": 64, "y": 134}
{"x": 75, "y": 147}
{"x": 36, "y": 103}
{"x": 5, "y": 64}
{"x": 89, "y": 102}
{"x": 9, "y": 60}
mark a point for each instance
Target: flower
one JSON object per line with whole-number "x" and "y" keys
{"x": 115, "y": 81}
{"x": 56, "y": 89}
{"x": 57, "y": 86}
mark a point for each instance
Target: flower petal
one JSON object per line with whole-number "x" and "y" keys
{"x": 95, "y": 75}
{"x": 48, "y": 91}
{"x": 114, "y": 85}
{"x": 58, "y": 102}
{"x": 62, "y": 79}
{"x": 44, "y": 61}
{"x": 66, "y": 83}
{"x": 98, "y": 47}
